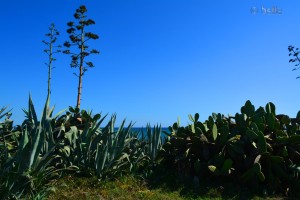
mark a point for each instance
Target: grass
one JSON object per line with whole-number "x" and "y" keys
{"x": 126, "y": 187}
{"x": 133, "y": 188}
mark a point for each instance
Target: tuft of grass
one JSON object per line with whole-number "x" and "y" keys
{"x": 133, "y": 188}
{"x": 127, "y": 187}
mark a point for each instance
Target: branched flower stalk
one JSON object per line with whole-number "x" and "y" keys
{"x": 51, "y": 49}
{"x": 295, "y": 53}
{"x": 78, "y": 38}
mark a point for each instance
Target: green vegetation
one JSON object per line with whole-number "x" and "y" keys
{"x": 129, "y": 187}
{"x": 254, "y": 154}
{"x": 255, "y": 148}
{"x": 124, "y": 188}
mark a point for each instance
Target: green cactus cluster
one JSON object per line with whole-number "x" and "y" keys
{"x": 255, "y": 147}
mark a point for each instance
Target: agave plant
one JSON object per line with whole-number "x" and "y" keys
{"x": 145, "y": 152}
{"x": 137, "y": 159}
{"x": 28, "y": 169}
{"x": 92, "y": 149}
{"x": 111, "y": 157}
{"x": 154, "y": 141}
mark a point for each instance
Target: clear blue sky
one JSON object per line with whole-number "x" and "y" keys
{"x": 160, "y": 59}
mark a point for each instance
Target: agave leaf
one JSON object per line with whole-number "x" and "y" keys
{"x": 94, "y": 131}
{"x": 154, "y": 141}
{"x": 24, "y": 140}
{"x": 45, "y": 160}
{"x": 67, "y": 150}
{"x": 23, "y": 153}
{"x": 38, "y": 141}
{"x": 46, "y": 111}
{"x": 71, "y": 136}
{"x": 31, "y": 112}
{"x": 59, "y": 113}
{"x": 50, "y": 111}
{"x": 2, "y": 110}
{"x": 101, "y": 157}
